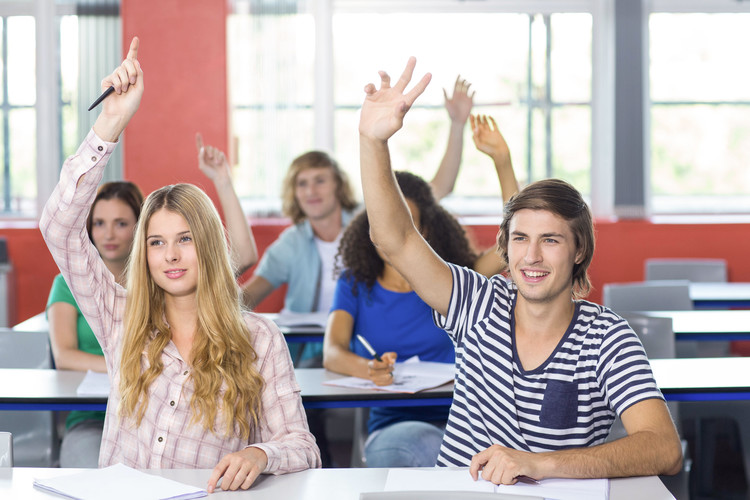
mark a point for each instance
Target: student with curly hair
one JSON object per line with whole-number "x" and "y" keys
{"x": 196, "y": 382}
{"x": 373, "y": 300}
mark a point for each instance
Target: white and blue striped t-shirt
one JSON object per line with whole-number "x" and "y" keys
{"x": 598, "y": 370}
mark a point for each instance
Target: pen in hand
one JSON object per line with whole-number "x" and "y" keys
{"x": 369, "y": 348}
{"x": 101, "y": 97}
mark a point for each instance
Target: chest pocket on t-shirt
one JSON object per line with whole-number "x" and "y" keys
{"x": 560, "y": 405}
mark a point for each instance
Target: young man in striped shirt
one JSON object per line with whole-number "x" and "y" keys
{"x": 540, "y": 374}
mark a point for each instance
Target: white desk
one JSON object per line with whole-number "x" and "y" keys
{"x": 720, "y": 295}
{"x": 707, "y": 324}
{"x": 314, "y": 484}
{"x": 682, "y": 379}
{"x": 293, "y": 333}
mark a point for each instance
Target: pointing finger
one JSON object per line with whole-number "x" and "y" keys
{"x": 133, "y": 52}
{"x": 198, "y": 141}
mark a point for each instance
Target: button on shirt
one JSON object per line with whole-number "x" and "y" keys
{"x": 166, "y": 437}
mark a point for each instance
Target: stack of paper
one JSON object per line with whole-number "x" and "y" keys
{"x": 409, "y": 377}
{"x": 460, "y": 480}
{"x": 118, "y": 482}
{"x": 94, "y": 384}
{"x": 316, "y": 319}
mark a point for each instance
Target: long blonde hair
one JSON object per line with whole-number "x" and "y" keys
{"x": 222, "y": 354}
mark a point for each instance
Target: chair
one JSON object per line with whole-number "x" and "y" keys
{"x": 648, "y": 296}
{"x": 704, "y": 270}
{"x": 35, "y": 439}
{"x": 6, "y": 449}
{"x": 657, "y": 336}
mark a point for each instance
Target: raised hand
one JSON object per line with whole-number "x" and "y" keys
{"x": 459, "y": 106}
{"x": 119, "y": 108}
{"x": 384, "y": 109}
{"x": 212, "y": 162}
{"x": 487, "y": 137}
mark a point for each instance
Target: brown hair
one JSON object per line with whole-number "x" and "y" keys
{"x": 125, "y": 191}
{"x": 563, "y": 200}
{"x": 314, "y": 159}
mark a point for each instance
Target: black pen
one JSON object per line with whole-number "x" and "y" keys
{"x": 369, "y": 348}
{"x": 102, "y": 97}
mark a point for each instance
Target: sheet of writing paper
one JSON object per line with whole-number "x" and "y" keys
{"x": 120, "y": 483}
{"x": 94, "y": 384}
{"x": 408, "y": 377}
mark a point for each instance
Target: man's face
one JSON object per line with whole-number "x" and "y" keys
{"x": 541, "y": 256}
{"x": 315, "y": 191}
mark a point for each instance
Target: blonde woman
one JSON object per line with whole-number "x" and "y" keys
{"x": 196, "y": 383}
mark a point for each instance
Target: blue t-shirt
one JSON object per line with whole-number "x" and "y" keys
{"x": 398, "y": 322}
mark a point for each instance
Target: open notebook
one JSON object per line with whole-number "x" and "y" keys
{"x": 117, "y": 482}
{"x": 460, "y": 480}
{"x": 410, "y": 376}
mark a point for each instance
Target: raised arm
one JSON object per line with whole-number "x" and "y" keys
{"x": 489, "y": 140}
{"x": 63, "y": 220}
{"x": 213, "y": 163}
{"x": 391, "y": 227}
{"x": 459, "y": 108}
{"x": 652, "y": 447}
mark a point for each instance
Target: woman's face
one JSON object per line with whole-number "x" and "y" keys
{"x": 171, "y": 254}
{"x": 112, "y": 226}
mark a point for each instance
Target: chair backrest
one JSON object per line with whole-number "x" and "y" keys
{"x": 705, "y": 270}
{"x": 6, "y": 449}
{"x": 35, "y": 440}
{"x": 656, "y": 334}
{"x": 648, "y": 296}
{"x": 24, "y": 349}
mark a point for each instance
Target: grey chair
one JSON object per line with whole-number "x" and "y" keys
{"x": 704, "y": 270}
{"x": 6, "y": 449}
{"x": 35, "y": 438}
{"x": 657, "y": 337}
{"x": 648, "y": 296}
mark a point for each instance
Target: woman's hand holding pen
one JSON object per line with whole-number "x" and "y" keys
{"x": 120, "y": 107}
{"x": 381, "y": 372}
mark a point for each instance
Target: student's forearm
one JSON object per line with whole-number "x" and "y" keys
{"x": 390, "y": 222}
{"x": 445, "y": 177}
{"x": 75, "y": 359}
{"x": 344, "y": 361}
{"x": 244, "y": 251}
{"x": 644, "y": 453}
{"x": 505, "y": 175}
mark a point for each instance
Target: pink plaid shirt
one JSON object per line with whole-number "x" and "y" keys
{"x": 165, "y": 438}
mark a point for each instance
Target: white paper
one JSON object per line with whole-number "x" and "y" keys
{"x": 318, "y": 319}
{"x": 118, "y": 482}
{"x": 94, "y": 384}
{"x": 460, "y": 480}
{"x": 409, "y": 377}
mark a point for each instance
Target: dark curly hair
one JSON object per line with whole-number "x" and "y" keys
{"x": 360, "y": 260}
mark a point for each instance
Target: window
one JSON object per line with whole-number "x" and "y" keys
{"x": 700, "y": 110}
{"x": 64, "y": 48}
{"x": 532, "y": 71}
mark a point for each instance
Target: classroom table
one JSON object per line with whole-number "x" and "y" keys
{"x": 720, "y": 295}
{"x": 680, "y": 379}
{"x": 707, "y": 325}
{"x": 313, "y": 484}
{"x": 293, "y": 333}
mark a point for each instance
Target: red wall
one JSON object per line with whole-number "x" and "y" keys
{"x": 183, "y": 55}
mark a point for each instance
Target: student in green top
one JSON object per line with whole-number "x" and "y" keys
{"x": 110, "y": 225}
